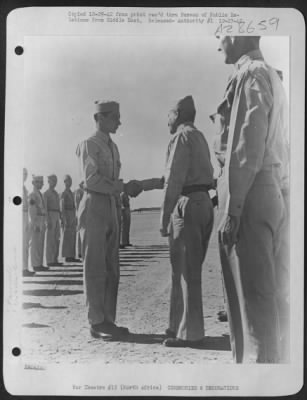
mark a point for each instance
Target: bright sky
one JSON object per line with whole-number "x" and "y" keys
{"x": 146, "y": 75}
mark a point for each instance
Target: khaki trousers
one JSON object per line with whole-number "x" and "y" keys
{"x": 69, "y": 234}
{"x": 36, "y": 244}
{"x": 25, "y": 239}
{"x": 53, "y": 237}
{"x": 251, "y": 272}
{"x": 125, "y": 226}
{"x": 79, "y": 245}
{"x": 190, "y": 230}
{"x": 98, "y": 224}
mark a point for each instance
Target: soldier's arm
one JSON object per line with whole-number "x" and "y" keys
{"x": 93, "y": 180}
{"x": 152, "y": 184}
{"x": 175, "y": 176}
{"x": 250, "y": 132}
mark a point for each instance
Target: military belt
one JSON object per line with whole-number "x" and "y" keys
{"x": 195, "y": 188}
{"x": 50, "y": 209}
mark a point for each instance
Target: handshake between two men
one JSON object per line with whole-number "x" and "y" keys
{"x": 134, "y": 187}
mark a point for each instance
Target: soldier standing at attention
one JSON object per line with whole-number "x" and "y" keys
{"x": 98, "y": 220}
{"x": 25, "y": 228}
{"x": 69, "y": 222}
{"x": 126, "y": 220}
{"x": 52, "y": 203}
{"x": 187, "y": 218}
{"x": 37, "y": 215}
{"x": 252, "y": 146}
{"x": 78, "y": 197}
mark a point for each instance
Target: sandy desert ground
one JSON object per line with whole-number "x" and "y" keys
{"x": 55, "y": 327}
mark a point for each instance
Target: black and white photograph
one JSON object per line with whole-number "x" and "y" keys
{"x": 157, "y": 244}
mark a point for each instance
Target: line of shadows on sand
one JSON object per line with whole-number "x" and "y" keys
{"x": 57, "y": 282}
{"x": 51, "y": 292}
{"x": 34, "y": 325}
{"x": 218, "y": 343}
{"x": 26, "y": 306}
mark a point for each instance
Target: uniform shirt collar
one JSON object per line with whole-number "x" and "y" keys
{"x": 251, "y": 55}
{"x": 105, "y": 137}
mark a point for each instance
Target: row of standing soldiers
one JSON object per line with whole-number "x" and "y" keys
{"x": 45, "y": 215}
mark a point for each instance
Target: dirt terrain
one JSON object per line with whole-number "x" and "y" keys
{"x": 55, "y": 327}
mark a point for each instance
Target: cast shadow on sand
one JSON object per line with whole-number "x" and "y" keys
{"x": 218, "y": 343}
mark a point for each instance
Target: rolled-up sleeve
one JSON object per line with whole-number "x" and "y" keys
{"x": 251, "y": 124}
{"x": 93, "y": 179}
{"x": 175, "y": 176}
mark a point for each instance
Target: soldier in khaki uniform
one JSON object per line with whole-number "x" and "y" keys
{"x": 253, "y": 153}
{"x": 98, "y": 220}
{"x": 187, "y": 218}
{"x": 78, "y": 197}
{"x": 25, "y": 228}
{"x": 37, "y": 215}
{"x": 125, "y": 220}
{"x": 52, "y": 203}
{"x": 69, "y": 222}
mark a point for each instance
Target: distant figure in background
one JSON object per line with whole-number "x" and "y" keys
{"x": 126, "y": 220}
{"x": 37, "y": 215}
{"x": 52, "y": 203}
{"x": 69, "y": 222}
{"x": 25, "y": 229}
{"x": 78, "y": 197}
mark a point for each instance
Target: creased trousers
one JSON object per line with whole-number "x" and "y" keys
{"x": 69, "y": 235}
{"x": 98, "y": 224}
{"x": 251, "y": 273}
{"x": 125, "y": 226}
{"x": 53, "y": 233}
{"x": 36, "y": 245}
{"x": 190, "y": 230}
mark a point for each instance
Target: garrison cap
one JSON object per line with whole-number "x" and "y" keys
{"x": 106, "y": 107}
{"x": 37, "y": 178}
{"x": 67, "y": 177}
{"x": 186, "y": 104}
{"x": 52, "y": 177}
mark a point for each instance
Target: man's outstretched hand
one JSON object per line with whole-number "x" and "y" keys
{"x": 133, "y": 188}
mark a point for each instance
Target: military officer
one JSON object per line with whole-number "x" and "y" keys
{"x": 78, "y": 197}
{"x": 252, "y": 149}
{"x": 37, "y": 220}
{"x": 52, "y": 203}
{"x": 69, "y": 222}
{"x": 187, "y": 218}
{"x": 98, "y": 220}
{"x": 125, "y": 220}
{"x": 25, "y": 226}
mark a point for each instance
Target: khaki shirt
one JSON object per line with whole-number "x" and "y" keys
{"x": 52, "y": 200}
{"x": 187, "y": 163}
{"x": 67, "y": 201}
{"x": 78, "y": 197}
{"x": 36, "y": 207}
{"x": 257, "y": 128}
{"x": 100, "y": 165}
